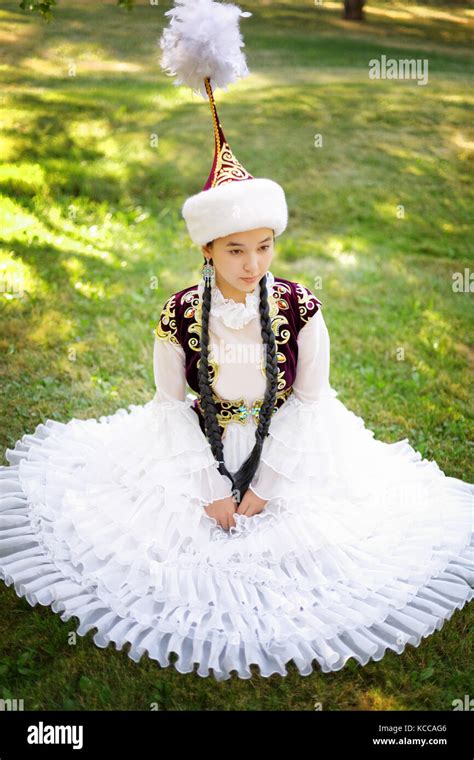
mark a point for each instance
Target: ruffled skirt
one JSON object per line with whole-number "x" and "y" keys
{"x": 362, "y": 547}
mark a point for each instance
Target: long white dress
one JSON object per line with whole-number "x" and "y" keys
{"x": 362, "y": 547}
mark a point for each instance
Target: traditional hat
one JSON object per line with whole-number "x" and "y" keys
{"x": 202, "y": 45}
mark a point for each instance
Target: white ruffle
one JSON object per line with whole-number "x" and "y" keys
{"x": 233, "y": 313}
{"x": 362, "y": 547}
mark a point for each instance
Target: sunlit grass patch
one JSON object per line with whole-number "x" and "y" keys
{"x": 99, "y": 152}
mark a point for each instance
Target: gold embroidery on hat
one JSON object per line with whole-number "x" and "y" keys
{"x": 227, "y": 168}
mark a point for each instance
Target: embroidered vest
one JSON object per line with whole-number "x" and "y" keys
{"x": 291, "y": 305}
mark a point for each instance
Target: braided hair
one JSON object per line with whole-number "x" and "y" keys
{"x": 242, "y": 478}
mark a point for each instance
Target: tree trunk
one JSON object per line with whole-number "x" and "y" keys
{"x": 353, "y": 10}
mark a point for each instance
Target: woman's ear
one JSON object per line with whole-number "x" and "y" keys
{"x": 207, "y": 250}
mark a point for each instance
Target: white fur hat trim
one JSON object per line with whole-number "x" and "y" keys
{"x": 235, "y": 206}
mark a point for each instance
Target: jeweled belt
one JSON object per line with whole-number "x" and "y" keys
{"x": 238, "y": 411}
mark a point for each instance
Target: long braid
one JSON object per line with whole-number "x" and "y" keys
{"x": 243, "y": 477}
{"x": 248, "y": 469}
{"x": 211, "y": 424}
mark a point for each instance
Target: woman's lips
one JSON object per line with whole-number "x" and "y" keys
{"x": 249, "y": 279}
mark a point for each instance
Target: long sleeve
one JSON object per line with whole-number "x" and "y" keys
{"x": 169, "y": 364}
{"x": 183, "y": 444}
{"x": 312, "y": 375}
{"x": 295, "y": 451}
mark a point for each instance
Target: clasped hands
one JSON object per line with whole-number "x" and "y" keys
{"x": 223, "y": 510}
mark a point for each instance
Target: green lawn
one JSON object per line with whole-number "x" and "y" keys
{"x": 92, "y": 243}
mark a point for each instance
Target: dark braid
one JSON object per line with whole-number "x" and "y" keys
{"x": 207, "y": 402}
{"x": 243, "y": 477}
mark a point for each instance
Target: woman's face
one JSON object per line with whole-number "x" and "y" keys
{"x": 238, "y": 256}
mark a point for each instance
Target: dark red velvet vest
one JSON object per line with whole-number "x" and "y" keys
{"x": 291, "y": 305}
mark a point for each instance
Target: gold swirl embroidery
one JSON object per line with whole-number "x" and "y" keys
{"x": 277, "y": 306}
{"x": 166, "y": 328}
{"x": 235, "y": 410}
{"x": 308, "y": 304}
{"x": 227, "y": 167}
{"x": 238, "y": 411}
{"x": 194, "y": 313}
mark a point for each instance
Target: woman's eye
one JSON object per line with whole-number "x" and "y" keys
{"x": 237, "y": 250}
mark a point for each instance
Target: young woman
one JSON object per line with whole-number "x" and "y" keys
{"x": 252, "y": 519}
{"x": 255, "y": 520}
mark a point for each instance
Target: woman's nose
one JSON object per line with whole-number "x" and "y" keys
{"x": 251, "y": 265}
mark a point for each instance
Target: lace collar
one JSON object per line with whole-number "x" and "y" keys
{"x": 233, "y": 313}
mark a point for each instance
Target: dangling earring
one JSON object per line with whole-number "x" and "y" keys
{"x": 208, "y": 272}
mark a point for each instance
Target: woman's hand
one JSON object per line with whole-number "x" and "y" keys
{"x": 251, "y": 504}
{"x": 223, "y": 510}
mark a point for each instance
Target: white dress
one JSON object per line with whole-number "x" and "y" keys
{"x": 362, "y": 547}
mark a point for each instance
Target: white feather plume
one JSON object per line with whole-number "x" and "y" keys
{"x": 203, "y": 40}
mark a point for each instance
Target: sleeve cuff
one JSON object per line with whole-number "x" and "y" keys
{"x": 184, "y": 453}
{"x": 296, "y": 454}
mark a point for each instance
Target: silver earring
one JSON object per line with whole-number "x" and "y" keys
{"x": 208, "y": 272}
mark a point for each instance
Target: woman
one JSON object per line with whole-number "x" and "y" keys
{"x": 341, "y": 546}
{"x": 256, "y": 519}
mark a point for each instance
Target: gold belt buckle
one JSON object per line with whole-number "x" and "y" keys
{"x": 245, "y": 412}
{"x": 240, "y": 412}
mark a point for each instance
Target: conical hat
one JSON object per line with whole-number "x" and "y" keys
{"x": 201, "y": 46}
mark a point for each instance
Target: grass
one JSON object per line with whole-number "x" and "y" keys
{"x": 92, "y": 243}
